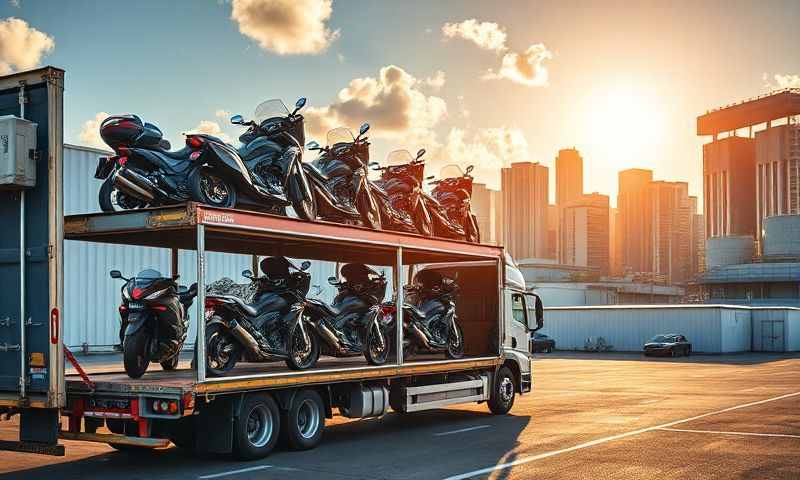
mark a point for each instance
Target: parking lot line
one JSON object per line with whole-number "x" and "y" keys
{"x": 234, "y": 472}
{"x": 599, "y": 441}
{"x": 749, "y": 434}
{"x": 461, "y": 430}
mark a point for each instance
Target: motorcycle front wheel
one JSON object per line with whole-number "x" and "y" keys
{"x": 370, "y": 215}
{"x": 302, "y": 354}
{"x": 212, "y": 189}
{"x": 375, "y": 353}
{"x": 134, "y": 353}
{"x": 455, "y": 343}
{"x": 222, "y": 350}
{"x": 304, "y": 207}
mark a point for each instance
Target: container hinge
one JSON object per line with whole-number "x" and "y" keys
{"x": 6, "y": 322}
{"x": 7, "y": 347}
{"x": 50, "y": 251}
{"x": 29, "y": 323}
{"x": 34, "y": 155}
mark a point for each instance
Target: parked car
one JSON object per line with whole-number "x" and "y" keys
{"x": 542, "y": 343}
{"x": 671, "y": 344}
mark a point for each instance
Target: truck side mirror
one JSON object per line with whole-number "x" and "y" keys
{"x": 536, "y": 322}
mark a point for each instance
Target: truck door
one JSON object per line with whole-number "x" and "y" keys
{"x": 518, "y": 329}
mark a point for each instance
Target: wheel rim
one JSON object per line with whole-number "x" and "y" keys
{"x": 219, "y": 351}
{"x": 308, "y": 419}
{"x": 299, "y": 354}
{"x": 215, "y": 189}
{"x": 506, "y": 389}
{"x": 455, "y": 342}
{"x": 259, "y": 426}
{"x": 119, "y": 201}
{"x": 376, "y": 351}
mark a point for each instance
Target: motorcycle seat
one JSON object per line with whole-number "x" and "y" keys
{"x": 245, "y": 307}
{"x": 414, "y": 311}
{"x": 181, "y": 154}
{"x": 315, "y": 170}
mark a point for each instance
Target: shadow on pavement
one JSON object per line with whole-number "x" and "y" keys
{"x": 743, "y": 358}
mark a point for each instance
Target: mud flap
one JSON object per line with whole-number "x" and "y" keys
{"x": 218, "y": 417}
{"x": 39, "y": 426}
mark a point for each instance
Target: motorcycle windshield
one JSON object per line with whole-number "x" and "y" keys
{"x": 340, "y": 135}
{"x": 399, "y": 157}
{"x": 149, "y": 274}
{"x": 451, "y": 171}
{"x": 270, "y": 109}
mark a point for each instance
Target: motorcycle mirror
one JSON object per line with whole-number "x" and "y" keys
{"x": 333, "y": 280}
{"x": 164, "y": 144}
{"x": 420, "y": 153}
{"x": 299, "y": 104}
{"x": 237, "y": 120}
{"x": 115, "y": 274}
{"x": 375, "y": 165}
{"x": 364, "y": 128}
{"x": 313, "y": 145}
{"x": 469, "y": 169}
{"x": 305, "y": 265}
{"x": 430, "y": 178}
{"x": 247, "y": 274}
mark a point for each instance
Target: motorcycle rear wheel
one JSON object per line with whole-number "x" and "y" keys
{"x": 300, "y": 358}
{"x": 172, "y": 363}
{"x": 211, "y": 189}
{"x": 222, "y": 351}
{"x": 112, "y": 200}
{"x": 134, "y": 353}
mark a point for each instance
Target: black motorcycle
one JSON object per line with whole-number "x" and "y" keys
{"x": 430, "y": 323}
{"x": 339, "y": 179}
{"x": 272, "y": 327}
{"x": 402, "y": 179}
{"x": 266, "y": 172}
{"x": 352, "y": 325}
{"x": 143, "y": 172}
{"x": 155, "y": 318}
{"x": 454, "y": 193}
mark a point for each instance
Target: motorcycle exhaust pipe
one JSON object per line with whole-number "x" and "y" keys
{"x": 423, "y": 340}
{"x": 244, "y": 337}
{"x": 137, "y": 187}
{"x": 328, "y": 336}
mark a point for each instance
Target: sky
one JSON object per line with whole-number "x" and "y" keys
{"x": 473, "y": 82}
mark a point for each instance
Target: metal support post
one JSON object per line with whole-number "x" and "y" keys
{"x": 200, "y": 342}
{"x": 22, "y": 290}
{"x": 398, "y": 287}
{"x": 174, "y": 262}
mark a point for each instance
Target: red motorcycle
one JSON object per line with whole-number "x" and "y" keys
{"x": 454, "y": 193}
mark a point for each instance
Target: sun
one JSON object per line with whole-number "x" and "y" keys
{"x": 625, "y": 125}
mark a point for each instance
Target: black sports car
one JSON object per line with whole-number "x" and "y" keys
{"x": 671, "y": 345}
{"x": 542, "y": 343}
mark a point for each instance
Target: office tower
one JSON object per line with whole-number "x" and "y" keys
{"x": 584, "y": 232}
{"x": 552, "y": 231}
{"x": 634, "y": 221}
{"x": 615, "y": 269}
{"x": 671, "y": 230}
{"x": 485, "y": 206}
{"x": 777, "y": 173}
{"x": 699, "y": 244}
{"x": 525, "y": 200}
{"x": 569, "y": 176}
{"x": 728, "y": 178}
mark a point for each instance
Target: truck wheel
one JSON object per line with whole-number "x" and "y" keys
{"x": 501, "y": 398}
{"x": 375, "y": 353}
{"x": 134, "y": 353}
{"x": 304, "y": 422}
{"x": 301, "y": 355}
{"x": 256, "y": 429}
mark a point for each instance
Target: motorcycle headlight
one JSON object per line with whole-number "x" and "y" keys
{"x": 155, "y": 294}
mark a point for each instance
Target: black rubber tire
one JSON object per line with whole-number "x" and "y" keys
{"x": 499, "y": 401}
{"x": 214, "y": 331}
{"x": 246, "y": 448}
{"x": 172, "y": 363}
{"x": 370, "y": 215}
{"x": 195, "y": 180}
{"x": 104, "y": 197}
{"x": 424, "y": 225}
{"x": 396, "y": 399}
{"x": 471, "y": 229}
{"x": 304, "y": 208}
{"x": 456, "y": 352}
{"x": 376, "y": 358}
{"x": 313, "y": 355}
{"x": 302, "y": 427}
{"x": 134, "y": 353}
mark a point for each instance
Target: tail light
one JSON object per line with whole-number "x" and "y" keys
{"x": 122, "y": 161}
{"x": 123, "y": 151}
{"x": 195, "y": 142}
{"x": 387, "y": 310}
{"x": 137, "y": 293}
{"x": 160, "y": 308}
{"x": 123, "y": 309}
{"x": 165, "y": 406}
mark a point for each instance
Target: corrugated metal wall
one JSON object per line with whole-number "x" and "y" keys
{"x": 91, "y": 297}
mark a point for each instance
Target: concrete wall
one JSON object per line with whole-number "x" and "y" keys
{"x": 735, "y": 330}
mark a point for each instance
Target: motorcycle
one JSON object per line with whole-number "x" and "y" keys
{"x": 339, "y": 179}
{"x": 352, "y": 326}
{"x": 154, "y": 320}
{"x": 272, "y": 327}
{"x": 402, "y": 179}
{"x": 143, "y": 172}
{"x": 430, "y": 323}
{"x": 266, "y": 172}
{"x": 454, "y": 193}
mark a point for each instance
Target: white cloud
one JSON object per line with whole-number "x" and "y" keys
{"x": 787, "y": 81}
{"x": 22, "y": 46}
{"x": 436, "y": 81}
{"x": 392, "y": 103}
{"x": 487, "y": 35}
{"x": 222, "y": 114}
{"x": 286, "y": 26}
{"x": 526, "y": 68}
{"x": 90, "y": 132}
{"x": 340, "y": 58}
{"x": 211, "y": 128}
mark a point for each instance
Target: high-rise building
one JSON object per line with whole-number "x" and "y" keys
{"x": 729, "y": 187}
{"x": 777, "y": 174}
{"x": 485, "y": 206}
{"x": 670, "y": 231}
{"x": 569, "y": 176}
{"x": 615, "y": 269}
{"x": 634, "y": 221}
{"x": 553, "y": 220}
{"x": 525, "y": 200}
{"x": 584, "y": 233}
{"x": 697, "y": 239}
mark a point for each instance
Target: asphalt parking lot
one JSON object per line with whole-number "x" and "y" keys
{"x": 590, "y": 416}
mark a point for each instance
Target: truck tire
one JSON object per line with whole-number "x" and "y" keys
{"x": 304, "y": 422}
{"x": 256, "y": 429}
{"x": 134, "y": 353}
{"x": 501, "y": 398}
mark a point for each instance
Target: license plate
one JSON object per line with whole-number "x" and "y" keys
{"x": 135, "y": 306}
{"x": 104, "y": 167}
{"x": 108, "y": 404}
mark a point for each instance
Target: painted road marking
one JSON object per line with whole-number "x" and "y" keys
{"x": 599, "y": 441}
{"x": 234, "y": 472}
{"x": 749, "y": 434}
{"x": 461, "y": 430}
